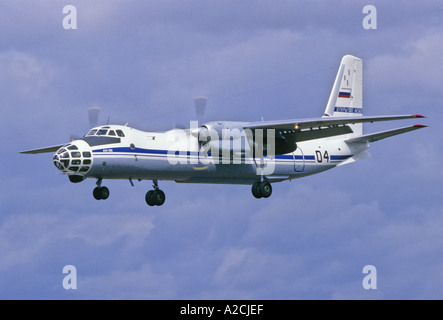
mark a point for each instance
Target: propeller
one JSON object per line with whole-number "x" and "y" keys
{"x": 200, "y": 103}
{"x": 93, "y": 113}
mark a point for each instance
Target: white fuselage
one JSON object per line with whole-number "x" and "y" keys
{"x": 177, "y": 155}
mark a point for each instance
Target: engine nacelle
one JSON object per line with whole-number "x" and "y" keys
{"x": 213, "y": 134}
{"x": 219, "y": 130}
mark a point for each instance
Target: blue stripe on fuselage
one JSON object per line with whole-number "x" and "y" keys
{"x": 129, "y": 150}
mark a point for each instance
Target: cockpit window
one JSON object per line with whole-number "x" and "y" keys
{"x": 92, "y": 132}
{"x": 111, "y": 133}
{"x": 102, "y": 132}
{"x": 120, "y": 133}
{"x": 73, "y": 147}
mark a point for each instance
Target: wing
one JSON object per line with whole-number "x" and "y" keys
{"x": 289, "y": 132}
{"x": 43, "y": 150}
{"x": 321, "y": 122}
{"x": 309, "y": 129}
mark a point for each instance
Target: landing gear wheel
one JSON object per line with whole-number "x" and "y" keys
{"x": 155, "y": 197}
{"x": 261, "y": 189}
{"x": 148, "y": 198}
{"x": 101, "y": 193}
{"x": 265, "y": 189}
{"x": 159, "y": 197}
{"x": 255, "y": 190}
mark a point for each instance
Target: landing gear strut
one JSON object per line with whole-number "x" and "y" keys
{"x": 155, "y": 197}
{"x": 262, "y": 189}
{"x": 100, "y": 193}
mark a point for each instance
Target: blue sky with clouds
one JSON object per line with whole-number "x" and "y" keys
{"x": 143, "y": 62}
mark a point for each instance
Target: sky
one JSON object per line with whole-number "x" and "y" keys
{"x": 142, "y": 63}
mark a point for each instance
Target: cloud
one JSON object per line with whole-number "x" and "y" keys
{"x": 139, "y": 283}
{"x": 415, "y": 66}
{"x": 24, "y": 76}
{"x": 25, "y": 237}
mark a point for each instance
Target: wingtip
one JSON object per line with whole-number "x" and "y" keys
{"x": 419, "y": 126}
{"x": 418, "y": 116}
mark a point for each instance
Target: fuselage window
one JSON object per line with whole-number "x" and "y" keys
{"x": 120, "y": 133}
{"x": 102, "y": 132}
{"x": 111, "y": 133}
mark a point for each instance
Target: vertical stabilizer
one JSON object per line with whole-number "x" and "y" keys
{"x": 346, "y": 99}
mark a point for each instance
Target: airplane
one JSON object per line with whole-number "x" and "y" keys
{"x": 256, "y": 153}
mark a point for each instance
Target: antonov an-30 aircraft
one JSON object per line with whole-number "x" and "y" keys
{"x": 254, "y": 153}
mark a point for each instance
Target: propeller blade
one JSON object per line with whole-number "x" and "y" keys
{"x": 93, "y": 113}
{"x": 200, "y": 106}
{"x": 179, "y": 126}
{"x": 73, "y": 137}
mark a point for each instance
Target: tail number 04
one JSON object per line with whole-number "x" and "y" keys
{"x": 320, "y": 157}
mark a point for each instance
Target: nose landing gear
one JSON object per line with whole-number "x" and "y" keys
{"x": 155, "y": 197}
{"x": 99, "y": 192}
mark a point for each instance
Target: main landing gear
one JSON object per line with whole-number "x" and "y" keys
{"x": 155, "y": 197}
{"x": 262, "y": 189}
{"x": 100, "y": 193}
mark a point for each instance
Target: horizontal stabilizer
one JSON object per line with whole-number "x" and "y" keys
{"x": 384, "y": 134}
{"x": 43, "y": 150}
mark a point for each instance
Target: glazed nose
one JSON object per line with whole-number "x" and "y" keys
{"x": 73, "y": 159}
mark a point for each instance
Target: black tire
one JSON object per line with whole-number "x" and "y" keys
{"x": 265, "y": 189}
{"x": 149, "y": 199}
{"x": 96, "y": 193}
{"x": 255, "y": 190}
{"x": 159, "y": 197}
{"x": 104, "y": 193}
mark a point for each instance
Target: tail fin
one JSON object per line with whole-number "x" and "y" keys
{"x": 346, "y": 95}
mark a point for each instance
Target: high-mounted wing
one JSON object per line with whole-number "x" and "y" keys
{"x": 309, "y": 129}
{"x": 318, "y": 123}
{"x": 43, "y": 150}
{"x": 289, "y": 132}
